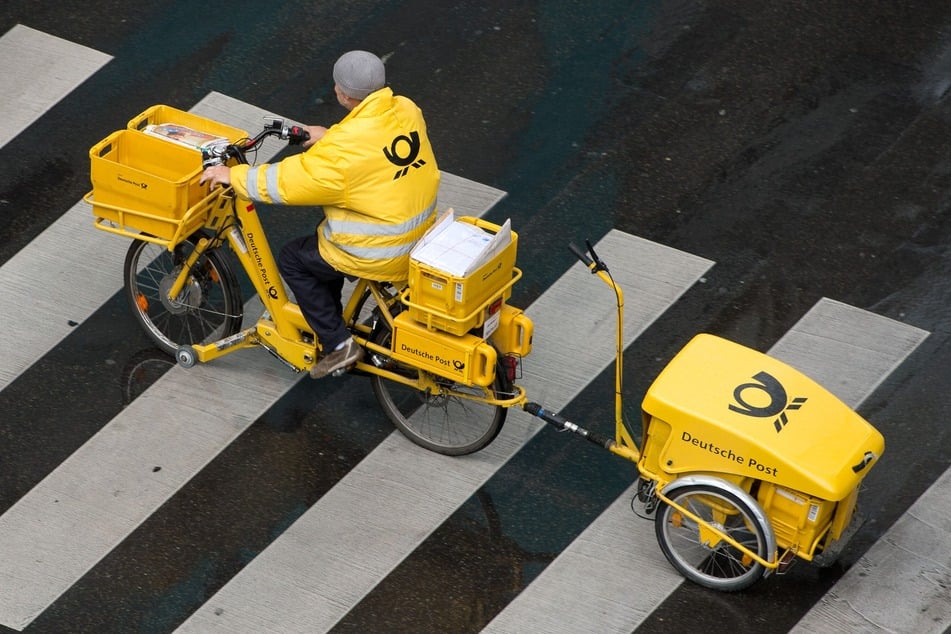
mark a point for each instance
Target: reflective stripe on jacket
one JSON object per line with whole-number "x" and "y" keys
{"x": 376, "y": 177}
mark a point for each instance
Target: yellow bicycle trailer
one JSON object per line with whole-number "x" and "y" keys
{"x": 746, "y": 462}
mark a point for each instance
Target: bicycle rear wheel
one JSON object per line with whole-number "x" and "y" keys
{"x": 449, "y": 424}
{"x": 208, "y": 308}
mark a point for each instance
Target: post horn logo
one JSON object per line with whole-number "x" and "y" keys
{"x": 778, "y": 401}
{"x": 393, "y": 153}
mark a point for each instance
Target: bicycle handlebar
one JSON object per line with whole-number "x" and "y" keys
{"x": 593, "y": 262}
{"x": 293, "y": 134}
{"x": 580, "y": 255}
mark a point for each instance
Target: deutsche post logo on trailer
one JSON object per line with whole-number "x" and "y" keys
{"x": 778, "y": 404}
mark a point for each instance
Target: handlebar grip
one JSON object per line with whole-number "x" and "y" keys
{"x": 297, "y": 135}
{"x": 293, "y": 134}
{"x": 594, "y": 255}
{"x": 580, "y": 255}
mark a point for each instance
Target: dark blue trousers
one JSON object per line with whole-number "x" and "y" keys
{"x": 317, "y": 287}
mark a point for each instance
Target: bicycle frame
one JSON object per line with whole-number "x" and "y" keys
{"x": 284, "y": 325}
{"x": 441, "y": 351}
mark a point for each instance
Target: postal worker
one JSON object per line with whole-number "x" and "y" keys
{"x": 374, "y": 174}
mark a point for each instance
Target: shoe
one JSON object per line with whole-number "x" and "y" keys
{"x": 349, "y": 354}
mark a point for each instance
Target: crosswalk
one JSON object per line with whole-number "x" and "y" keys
{"x": 319, "y": 571}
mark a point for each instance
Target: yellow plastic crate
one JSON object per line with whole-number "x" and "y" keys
{"x": 147, "y": 187}
{"x": 167, "y": 114}
{"x": 146, "y": 184}
{"x": 454, "y": 304}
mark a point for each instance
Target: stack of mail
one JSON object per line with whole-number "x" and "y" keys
{"x": 460, "y": 248}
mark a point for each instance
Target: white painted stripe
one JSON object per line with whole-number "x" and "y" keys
{"x": 903, "y": 583}
{"x": 466, "y": 197}
{"x": 362, "y": 528}
{"x": 97, "y": 497}
{"x": 38, "y": 70}
{"x": 92, "y": 501}
{"x": 614, "y": 573}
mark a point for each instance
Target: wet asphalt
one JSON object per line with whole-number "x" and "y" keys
{"x": 801, "y": 146}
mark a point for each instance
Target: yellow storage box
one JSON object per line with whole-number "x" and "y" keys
{"x": 465, "y": 358}
{"x": 457, "y": 304}
{"x": 146, "y": 184}
{"x": 514, "y": 331}
{"x": 799, "y": 520}
{"x": 751, "y": 415}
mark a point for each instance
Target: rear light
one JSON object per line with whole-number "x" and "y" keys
{"x": 512, "y": 366}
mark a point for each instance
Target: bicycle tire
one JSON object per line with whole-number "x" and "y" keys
{"x": 209, "y": 308}
{"x": 446, "y": 424}
{"x": 720, "y": 567}
{"x": 449, "y": 425}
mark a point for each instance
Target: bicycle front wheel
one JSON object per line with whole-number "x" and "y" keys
{"x": 696, "y": 552}
{"x": 448, "y": 423}
{"x": 208, "y": 308}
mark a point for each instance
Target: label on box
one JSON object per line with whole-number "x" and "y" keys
{"x": 491, "y": 323}
{"x": 446, "y": 356}
{"x": 459, "y": 289}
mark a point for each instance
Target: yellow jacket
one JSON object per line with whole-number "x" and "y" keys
{"x": 376, "y": 177}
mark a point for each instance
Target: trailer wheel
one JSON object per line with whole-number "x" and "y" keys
{"x": 696, "y": 552}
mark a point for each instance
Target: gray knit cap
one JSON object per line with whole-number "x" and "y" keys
{"x": 358, "y": 73}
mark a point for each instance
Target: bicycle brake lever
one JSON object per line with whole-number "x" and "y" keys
{"x": 211, "y": 158}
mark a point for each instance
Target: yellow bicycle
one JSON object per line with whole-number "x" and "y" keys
{"x": 442, "y": 353}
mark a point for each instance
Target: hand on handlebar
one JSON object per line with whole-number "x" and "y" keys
{"x": 316, "y": 133}
{"x": 216, "y": 175}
